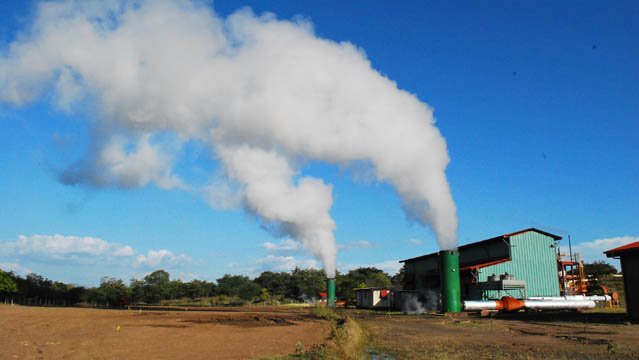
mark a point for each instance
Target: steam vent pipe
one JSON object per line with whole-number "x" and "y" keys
{"x": 330, "y": 298}
{"x": 449, "y": 276}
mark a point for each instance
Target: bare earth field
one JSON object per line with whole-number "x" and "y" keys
{"x": 76, "y": 333}
{"x": 246, "y": 333}
{"x": 506, "y": 336}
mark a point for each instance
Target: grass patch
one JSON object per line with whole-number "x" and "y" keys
{"x": 346, "y": 340}
{"x": 322, "y": 312}
{"x": 220, "y": 300}
{"x": 296, "y": 305}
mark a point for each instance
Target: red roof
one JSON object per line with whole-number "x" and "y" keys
{"x": 628, "y": 248}
{"x": 484, "y": 264}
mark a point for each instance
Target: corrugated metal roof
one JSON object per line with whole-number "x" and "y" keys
{"x": 556, "y": 237}
{"x": 496, "y": 238}
{"x": 628, "y": 248}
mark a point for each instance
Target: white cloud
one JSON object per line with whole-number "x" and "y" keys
{"x": 16, "y": 267}
{"x": 285, "y": 263}
{"x": 95, "y": 257}
{"x": 416, "y": 242}
{"x": 223, "y": 194}
{"x": 63, "y": 247}
{"x": 160, "y": 258}
{"x": 355, "y": 245}
{"x": 124, "y": 251}
{"x": 594, "y": 250}
{"x": 273, "y": 263}
{"x": 189, "y": 276}
{"x": 128, "y": 164}
{"x": 288, "y": 245}
{"x": 391, "y": 267}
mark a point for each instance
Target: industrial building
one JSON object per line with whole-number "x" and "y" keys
{"x": 373, "y": 298}
{"x": 521, "y": 264}
{"x": 629, "y": 256}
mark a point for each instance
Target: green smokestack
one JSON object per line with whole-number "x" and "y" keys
{"x": 330, "y": 297}
{"x": 449, "y": 273}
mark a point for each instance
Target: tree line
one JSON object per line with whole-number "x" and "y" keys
{"x": 299, "y": 285}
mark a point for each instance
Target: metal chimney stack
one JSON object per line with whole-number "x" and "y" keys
{"x": 450, "y": 282}
{"x": 330, "y": 296}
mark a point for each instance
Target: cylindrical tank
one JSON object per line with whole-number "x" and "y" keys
{"x": 330, "y": 296}
{"x": 450, "y": 284}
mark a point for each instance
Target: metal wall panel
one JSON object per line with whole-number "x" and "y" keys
{"x": 630, "y": 270}
{"x": 533, "y": 260}
{"x": 483, "y": 252}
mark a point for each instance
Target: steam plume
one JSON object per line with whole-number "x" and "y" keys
{"x": 264, "y": 93}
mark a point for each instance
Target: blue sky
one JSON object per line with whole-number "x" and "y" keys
{"x": 538, "y": 103}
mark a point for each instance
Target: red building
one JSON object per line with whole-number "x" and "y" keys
{"x": 629, "y": 256}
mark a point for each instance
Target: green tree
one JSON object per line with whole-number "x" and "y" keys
{"x": 136, "y": 290}
{"x": 306, "y": 283}
{"x": 397, "y": 280}
{"x": 156, "y": 286}
{"x": 249, "y": 290}
{"x": 74, "y": 295}
{"x": 277, "y": 283}
{"x": 176, "y": 289}
{"x": 599, "y": 268}
{"x": 113, "y": 292}
{"x": 7, "y": 285}
{"x": 93, "y": 296}
{"x": 238, "y": 285}
{"x": 264, "y": 295}
{"x": 35, "y": 288}
{"x": 367, "y": 276}
{"x": 199, "y": 288}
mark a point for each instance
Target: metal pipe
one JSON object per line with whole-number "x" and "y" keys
{"x": 558, "y": 304}
{"x": 510, "y": 304}
{"x": 450, "y": 283}
{"x": 480, "y": 305}
{"x": 573, "y": 297}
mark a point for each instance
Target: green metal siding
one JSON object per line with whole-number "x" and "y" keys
{"x": 533, "y": 260}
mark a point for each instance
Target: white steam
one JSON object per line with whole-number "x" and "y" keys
{"x": 264, "y": 93}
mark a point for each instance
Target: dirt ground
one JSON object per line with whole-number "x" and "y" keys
{"x": 245, "y": 333}
{"x": 76, "y": 333}
{"x": 507, "y": 336}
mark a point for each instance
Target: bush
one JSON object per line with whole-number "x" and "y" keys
{"x": 323, "y": 312}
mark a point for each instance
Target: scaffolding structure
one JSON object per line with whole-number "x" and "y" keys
{"x": 572, "y": 277}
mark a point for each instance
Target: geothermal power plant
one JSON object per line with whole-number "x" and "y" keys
{"x": 523, "y": 270}
{"x": 333, "y": 114}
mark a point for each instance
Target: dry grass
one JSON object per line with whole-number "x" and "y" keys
{"x": 346, "y": 340}
{"x": 602, "y": 335}
{"x": 349, "y": 341}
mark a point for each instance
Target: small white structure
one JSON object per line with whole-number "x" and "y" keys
{"x": 373, "y": 298}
